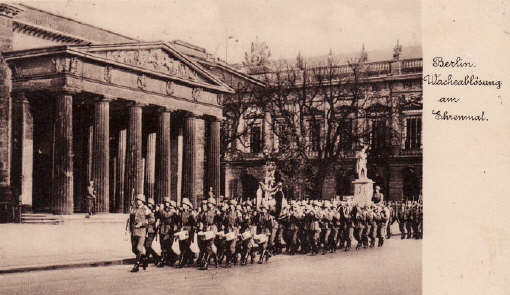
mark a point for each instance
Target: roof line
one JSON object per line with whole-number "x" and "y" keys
{"x": 76, "y": 21}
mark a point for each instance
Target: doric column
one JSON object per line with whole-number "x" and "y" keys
{"x": 188, "y": 175}
{"x": 62, "y": 201}
{"x": 25, "y": 148}
{"x": 134, "y": 172}
{"x": 163, "y": 168}
{"x": 121, "y": 171}
{"x": 180, "y": 156}
{"x": 193, "y": 158}
{"x": 150, "y": 166}
{"x": 101, "y": 154}
{"x": 213, "y": 157}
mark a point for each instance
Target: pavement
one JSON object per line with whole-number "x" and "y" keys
{"x": 394, "y": 269}
{"x": 77, "y": 242}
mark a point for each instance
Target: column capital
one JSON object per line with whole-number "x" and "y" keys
{"x": 136, "y": 104}
{"x": 67, "y": 90}
{"x": 163, "y": 109}
{"x": 106, "y": 98}
{"x": 20, "y": 96}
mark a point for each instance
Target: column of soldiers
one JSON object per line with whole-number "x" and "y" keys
{"x": 231, "y": 232}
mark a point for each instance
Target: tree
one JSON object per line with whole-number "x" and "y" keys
{"x": 321, "y": 114}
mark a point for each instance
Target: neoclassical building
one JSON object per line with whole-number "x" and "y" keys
{"x": 81, "y": 103}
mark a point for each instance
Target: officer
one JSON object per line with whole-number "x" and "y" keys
{"x": 187, "y": 223}
{"x": 152, "y": 228}
{"x": 209, "y": 226}
{"x": 138, "y": 222}
{"x": 168, "y": 222}
{"x": 230, "y": 226}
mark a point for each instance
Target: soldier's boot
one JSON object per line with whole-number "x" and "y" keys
{"x": 145, "y": 261}
{"x": 358, "y": 245}
{"x": 261, "y": 256}
{"x": 180, "y": 264}
{"x": 162, "y": 260}
{"x": 206, "y": 259}
{"x": 157, "y": 259}
{"x": 136, "y": 267}
{"x": 403, "y": 236}
{"x": 268, "y": 255}
{"x": 228, "y": 260}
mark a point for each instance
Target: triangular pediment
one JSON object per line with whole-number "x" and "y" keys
{"x": 159, "y": 58}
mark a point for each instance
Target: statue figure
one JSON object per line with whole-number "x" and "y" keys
{"x": 397, "y": 50}
{"x": 361, "y": 162}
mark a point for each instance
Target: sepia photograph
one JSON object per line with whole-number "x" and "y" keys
{"x": 211, "y": 147}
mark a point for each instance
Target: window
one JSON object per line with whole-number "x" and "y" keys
{"x": 346, "y": 135}
{"x": 378, "y": 134}
{"x": 315, "y": 136}
{"x": 256, "y": 140}
{"x": 413, "y": 133}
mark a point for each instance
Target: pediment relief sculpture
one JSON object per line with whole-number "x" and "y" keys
{"x": 156, "y": 60}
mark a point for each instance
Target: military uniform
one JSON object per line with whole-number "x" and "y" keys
{"x": 168, "y": 226}
{"x": 152, "y": 229}
{"x": 138, "y": 222}
{"x": 187, "y": 222}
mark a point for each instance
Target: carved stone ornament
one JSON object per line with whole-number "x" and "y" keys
{"x": 155, "y": 60}
{"x": 73, "y": 65}
{"x": 9, "y": 10}
{"x": 17, "y": 71}
{"x": 108, "y": 74}
{"x": 170, "y": 87}
{"x": 65, "y": 64}
{"x": 141, "y": 81}
{"x": 219, "y": 98}
{"x": 196, "y": 93}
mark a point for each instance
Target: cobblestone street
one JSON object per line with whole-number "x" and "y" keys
{"x": 393, "y": 269}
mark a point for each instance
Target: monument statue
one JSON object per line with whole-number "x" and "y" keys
{"x": 361, "y": 162}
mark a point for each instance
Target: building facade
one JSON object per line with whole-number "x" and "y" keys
{"x": 80, "y": 103}
{"x": 395, "y": 157}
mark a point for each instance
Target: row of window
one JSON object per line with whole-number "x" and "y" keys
{"x": 378, "y": 137}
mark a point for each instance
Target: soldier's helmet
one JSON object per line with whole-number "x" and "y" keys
{"x": 187, "y": 202}
{"x": 150, "y": 201}
{"x": 140, "y": 197}
{"x": 173, "y": 203}
{"x": 166, "y": 200}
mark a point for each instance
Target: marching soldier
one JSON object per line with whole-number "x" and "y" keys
{"x": 401, "y": 219}
{"x": 138, "y": 222}
{"x": 187, "y": 224}
{"x": 152, "y": 228}
{"x": 168, "y": 226}
{"x": 409, "y": 220}
{"x": 210, "y": 230}
{"x": 230, "y": 226}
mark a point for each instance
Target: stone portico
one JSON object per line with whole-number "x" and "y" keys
{"x": 133, "y": 117}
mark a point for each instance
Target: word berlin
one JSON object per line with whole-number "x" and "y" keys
{"x": 469, "y": 80}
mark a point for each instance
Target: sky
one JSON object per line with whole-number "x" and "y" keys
{"x": 287, "y": 26}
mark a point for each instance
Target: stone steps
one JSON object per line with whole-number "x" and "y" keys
{"x": 40, "y": 218}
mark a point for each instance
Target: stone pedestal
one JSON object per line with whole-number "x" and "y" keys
{"x": 363, "y": 190}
